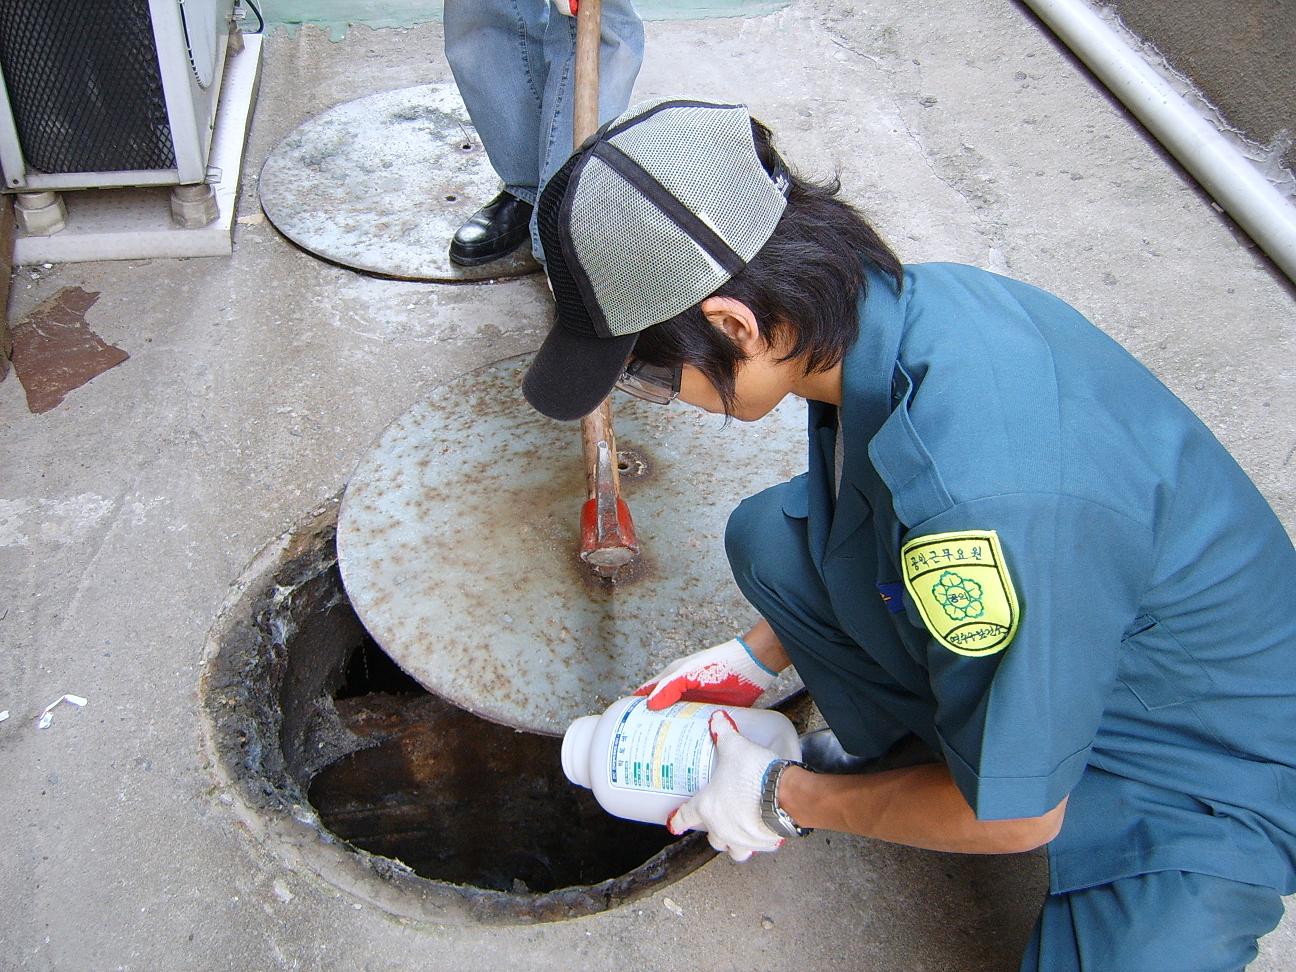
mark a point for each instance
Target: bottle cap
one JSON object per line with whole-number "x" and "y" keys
{"x": 576, "y": 749}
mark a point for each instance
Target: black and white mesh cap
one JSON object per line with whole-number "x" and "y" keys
{"x": 650, "y": 216}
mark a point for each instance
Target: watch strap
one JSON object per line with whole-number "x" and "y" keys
{"x": 774, "y": 816}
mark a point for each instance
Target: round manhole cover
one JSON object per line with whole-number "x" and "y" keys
{"x": 381, "y": 184}
{"x": 458, "y": 546}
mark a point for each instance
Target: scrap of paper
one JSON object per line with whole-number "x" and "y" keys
{"x": 47, "y": 715}
{"x": 4, "y": 715}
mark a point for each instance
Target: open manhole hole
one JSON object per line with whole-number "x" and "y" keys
{"x": 345, "y": 765}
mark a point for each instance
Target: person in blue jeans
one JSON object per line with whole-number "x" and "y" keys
{"x": 1012, "y": 543}
{"x": 514, "y": 62}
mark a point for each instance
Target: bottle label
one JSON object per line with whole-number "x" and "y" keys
{"x": 662, "y": 752}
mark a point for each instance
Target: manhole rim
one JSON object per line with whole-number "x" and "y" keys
{"x": 296, "y": 837}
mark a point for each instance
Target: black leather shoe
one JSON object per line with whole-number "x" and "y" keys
{"x": 821, "y": 751}
{"x": 495, "y": 230}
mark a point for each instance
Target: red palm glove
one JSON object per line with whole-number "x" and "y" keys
{"x": 728, "y": 674}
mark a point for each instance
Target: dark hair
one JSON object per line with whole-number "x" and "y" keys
{"x": 803, "y": 286}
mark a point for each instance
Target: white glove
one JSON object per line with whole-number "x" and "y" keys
{"x": 566, "y": 7}
{"x": 727, "y": 674}
{"x": 728, "y": 808}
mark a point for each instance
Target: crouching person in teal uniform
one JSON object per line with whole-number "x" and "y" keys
{"x": 1011, "y": 542}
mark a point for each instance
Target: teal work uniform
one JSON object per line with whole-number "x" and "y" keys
{"x": 1040, "y": 562}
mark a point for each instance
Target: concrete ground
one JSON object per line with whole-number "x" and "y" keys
{"x": 1239, "y": 54}
{"x": 255, "y": 384}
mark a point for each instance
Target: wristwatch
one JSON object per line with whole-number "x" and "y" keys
{"x": 775, "y": 817}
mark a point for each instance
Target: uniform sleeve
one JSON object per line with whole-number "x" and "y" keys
{"x": 1016, "y": 719}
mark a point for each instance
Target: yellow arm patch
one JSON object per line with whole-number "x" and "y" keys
{"x": 959, "y": 582}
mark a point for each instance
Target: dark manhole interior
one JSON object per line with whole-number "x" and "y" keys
{"x": 460, "y": 799}
{"x": 401, "y": 796}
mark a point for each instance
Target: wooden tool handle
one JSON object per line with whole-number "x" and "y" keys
{"x": 589, "y": 35}
{"x": 595, "y": 428}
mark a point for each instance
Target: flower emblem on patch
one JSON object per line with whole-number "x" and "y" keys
{"x": 959, "y": 596}
{"x": 960, "y": 585}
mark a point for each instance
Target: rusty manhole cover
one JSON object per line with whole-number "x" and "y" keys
{"x": 458, "y": 547}
{"x": 381, "y": 184}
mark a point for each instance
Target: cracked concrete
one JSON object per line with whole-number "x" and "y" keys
{"x": 255, "y": 384}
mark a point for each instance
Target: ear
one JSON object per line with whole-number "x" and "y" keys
{"x": 737, "y": 321}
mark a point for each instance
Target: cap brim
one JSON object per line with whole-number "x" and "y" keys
{"x": 571, "y": 375}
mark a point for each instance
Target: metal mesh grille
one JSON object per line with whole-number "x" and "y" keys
{"x": 641, "y": 265}
{"x": 642, "y": 108}
{"x": 83, "y": 79}
{"x": 725, "y": 186}
{"x": 567, "y": 299}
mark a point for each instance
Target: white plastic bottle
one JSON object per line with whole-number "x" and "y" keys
{"x": 642, "y": 765}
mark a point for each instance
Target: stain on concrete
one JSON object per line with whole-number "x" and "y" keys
{"x": 6, "y": 275}
{"x": 55, "y": 352}
{"x": 337, "y": 15}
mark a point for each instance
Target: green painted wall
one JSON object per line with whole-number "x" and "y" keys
{"x": 337, "y": 15}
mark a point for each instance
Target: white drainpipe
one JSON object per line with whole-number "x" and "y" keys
{"x": 1224, "y": 172}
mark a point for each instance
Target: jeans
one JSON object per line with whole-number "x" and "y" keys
{"x": 514, "y": 62}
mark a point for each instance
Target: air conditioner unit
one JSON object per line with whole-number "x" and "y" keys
{"x": 101, "y": 93}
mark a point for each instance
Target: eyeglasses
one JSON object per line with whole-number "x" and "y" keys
{"x": 659, "y": 384}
